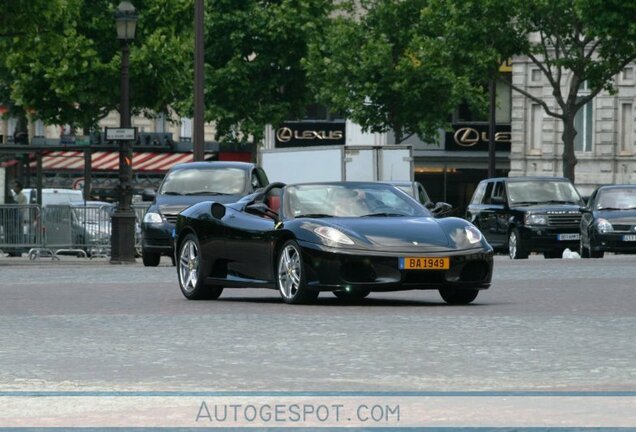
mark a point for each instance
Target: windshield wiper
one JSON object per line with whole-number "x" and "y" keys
{"x": 313, "y": 215}
{"x": 206, "y": 193}
{"x": 614, "y": 208}
{"x": 557, "y": 202}
{"x": 171, "y": 193}
{"x": 385, "y": 214}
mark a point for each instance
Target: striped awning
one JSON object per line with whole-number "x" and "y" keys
{"x": 109, "y": 161}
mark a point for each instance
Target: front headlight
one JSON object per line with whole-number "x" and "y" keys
{"x": 536, "y": 219}
{"x": 333, "y": 235}
{"x": 153, "y": 218}
{"x": 604, "y": 226}
{"x": 472, "y": 234}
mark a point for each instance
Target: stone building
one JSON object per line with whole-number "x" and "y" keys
{"x": 605, "y": 140}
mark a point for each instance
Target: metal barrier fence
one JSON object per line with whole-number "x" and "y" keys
{"x": 81, "y": 230}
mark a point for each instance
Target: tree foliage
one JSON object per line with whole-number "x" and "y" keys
{"x": 379, "y": 64}
{"x": 570, "y": 41}
{"x": 66, "y": 70}
{"x": 253, "y": 52}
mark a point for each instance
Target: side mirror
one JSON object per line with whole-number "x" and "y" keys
{"x": 441, "y": 209}
{"x": 148, "y": 195}
{"x": 218, "y": 210}
{"x": 430, "y": 205}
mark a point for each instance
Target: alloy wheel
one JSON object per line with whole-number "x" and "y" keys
{"x": 512, "y": 245}
{"x": 289, "y": 272}
{"x": 189, "y": 265}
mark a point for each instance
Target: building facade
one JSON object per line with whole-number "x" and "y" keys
{"x": 605, "y": 140}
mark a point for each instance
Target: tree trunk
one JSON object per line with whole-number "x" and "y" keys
{"x": 397, "y": 133}
{"x": 569, "y": 158}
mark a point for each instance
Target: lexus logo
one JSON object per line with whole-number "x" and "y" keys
{"x": 284, "y": 134}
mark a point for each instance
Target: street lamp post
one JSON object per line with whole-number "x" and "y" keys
{"x": 123, "y": 220}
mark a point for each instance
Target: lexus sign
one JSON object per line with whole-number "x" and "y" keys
{"x": 467, "y": 137}
{"x": 304, "y": 134}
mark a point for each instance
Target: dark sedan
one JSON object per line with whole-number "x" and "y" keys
{"x": 350, "y": 238}
{"x": 185, "y": 185}
{"x": 609, "y": 221}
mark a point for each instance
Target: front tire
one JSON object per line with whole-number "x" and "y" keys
{"x": 290, "y": 275}
{"x": 515, "y": 246}
{"x": 189, "y": 270}
{"x": 458, "y": 296}
{"x": 150, "y": 259}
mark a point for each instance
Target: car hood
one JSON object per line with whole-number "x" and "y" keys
{"x": 622, "y": 217}
{"x": 393, "y": 232}
{"x": 173, "y": 204}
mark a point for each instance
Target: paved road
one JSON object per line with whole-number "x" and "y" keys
{"x": 544, "y": 325}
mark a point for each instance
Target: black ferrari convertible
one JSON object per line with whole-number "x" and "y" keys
{"x": 350, "y": 238}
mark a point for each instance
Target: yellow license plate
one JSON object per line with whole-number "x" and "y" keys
{"x": 424, "y": 263}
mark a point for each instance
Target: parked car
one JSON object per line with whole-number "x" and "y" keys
{"x": 417, "y": 191}
{"x": 187, "y": 184}
{"x": 350, "y": 238}
{"x": 91, "y": 226}
{"x": 609, "y": 221}
{"x": 527, "y": 214}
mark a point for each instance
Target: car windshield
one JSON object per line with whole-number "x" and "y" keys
{"x": 204, "y": 181}
{"x": 542, "y": 192}
{"x": 616, "y": 199}
{"x": 349, "y": 200}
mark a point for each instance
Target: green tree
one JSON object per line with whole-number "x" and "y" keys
{"x": 68, "y": 70}
{"x": 253, "y": 52}
{"x": 572, "y": 42}
{"x": 381, "y": 65}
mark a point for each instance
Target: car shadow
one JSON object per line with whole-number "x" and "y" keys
{"x": 367, "y": 302}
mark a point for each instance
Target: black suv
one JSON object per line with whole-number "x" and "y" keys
{"x": 187, "y": 184}
{"x": 527, "y": 214}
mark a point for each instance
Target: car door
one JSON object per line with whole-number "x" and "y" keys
{"x": 248, "y": 245}
{"x": 484, "y": 214}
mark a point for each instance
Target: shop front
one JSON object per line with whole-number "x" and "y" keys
{"x": 451, "y": 170}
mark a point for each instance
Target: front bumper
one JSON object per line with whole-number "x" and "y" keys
{"x": 546, "y": 238}
{"x": 157, "y": 238}
{"x": 613, "y": 242}
{"x": 330, "y": 269}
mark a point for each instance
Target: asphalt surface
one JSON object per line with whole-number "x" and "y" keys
{"x": 83, "y": 324}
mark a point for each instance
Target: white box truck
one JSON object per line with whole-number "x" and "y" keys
{"x": 338, "y": 163}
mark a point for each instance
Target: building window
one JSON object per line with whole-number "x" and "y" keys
{"x": 536, "y": 76}
{"x": 39, "y": 128}
{"x": 160, "y": 123}
{"x": 186, "y": 128}
{"x": 626, "y": 137}
{"x": 626, "y": 76}
{"x": 536, "y": 127}
{"x": 583, "y": 124}
{"x": 12, "y": 124}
